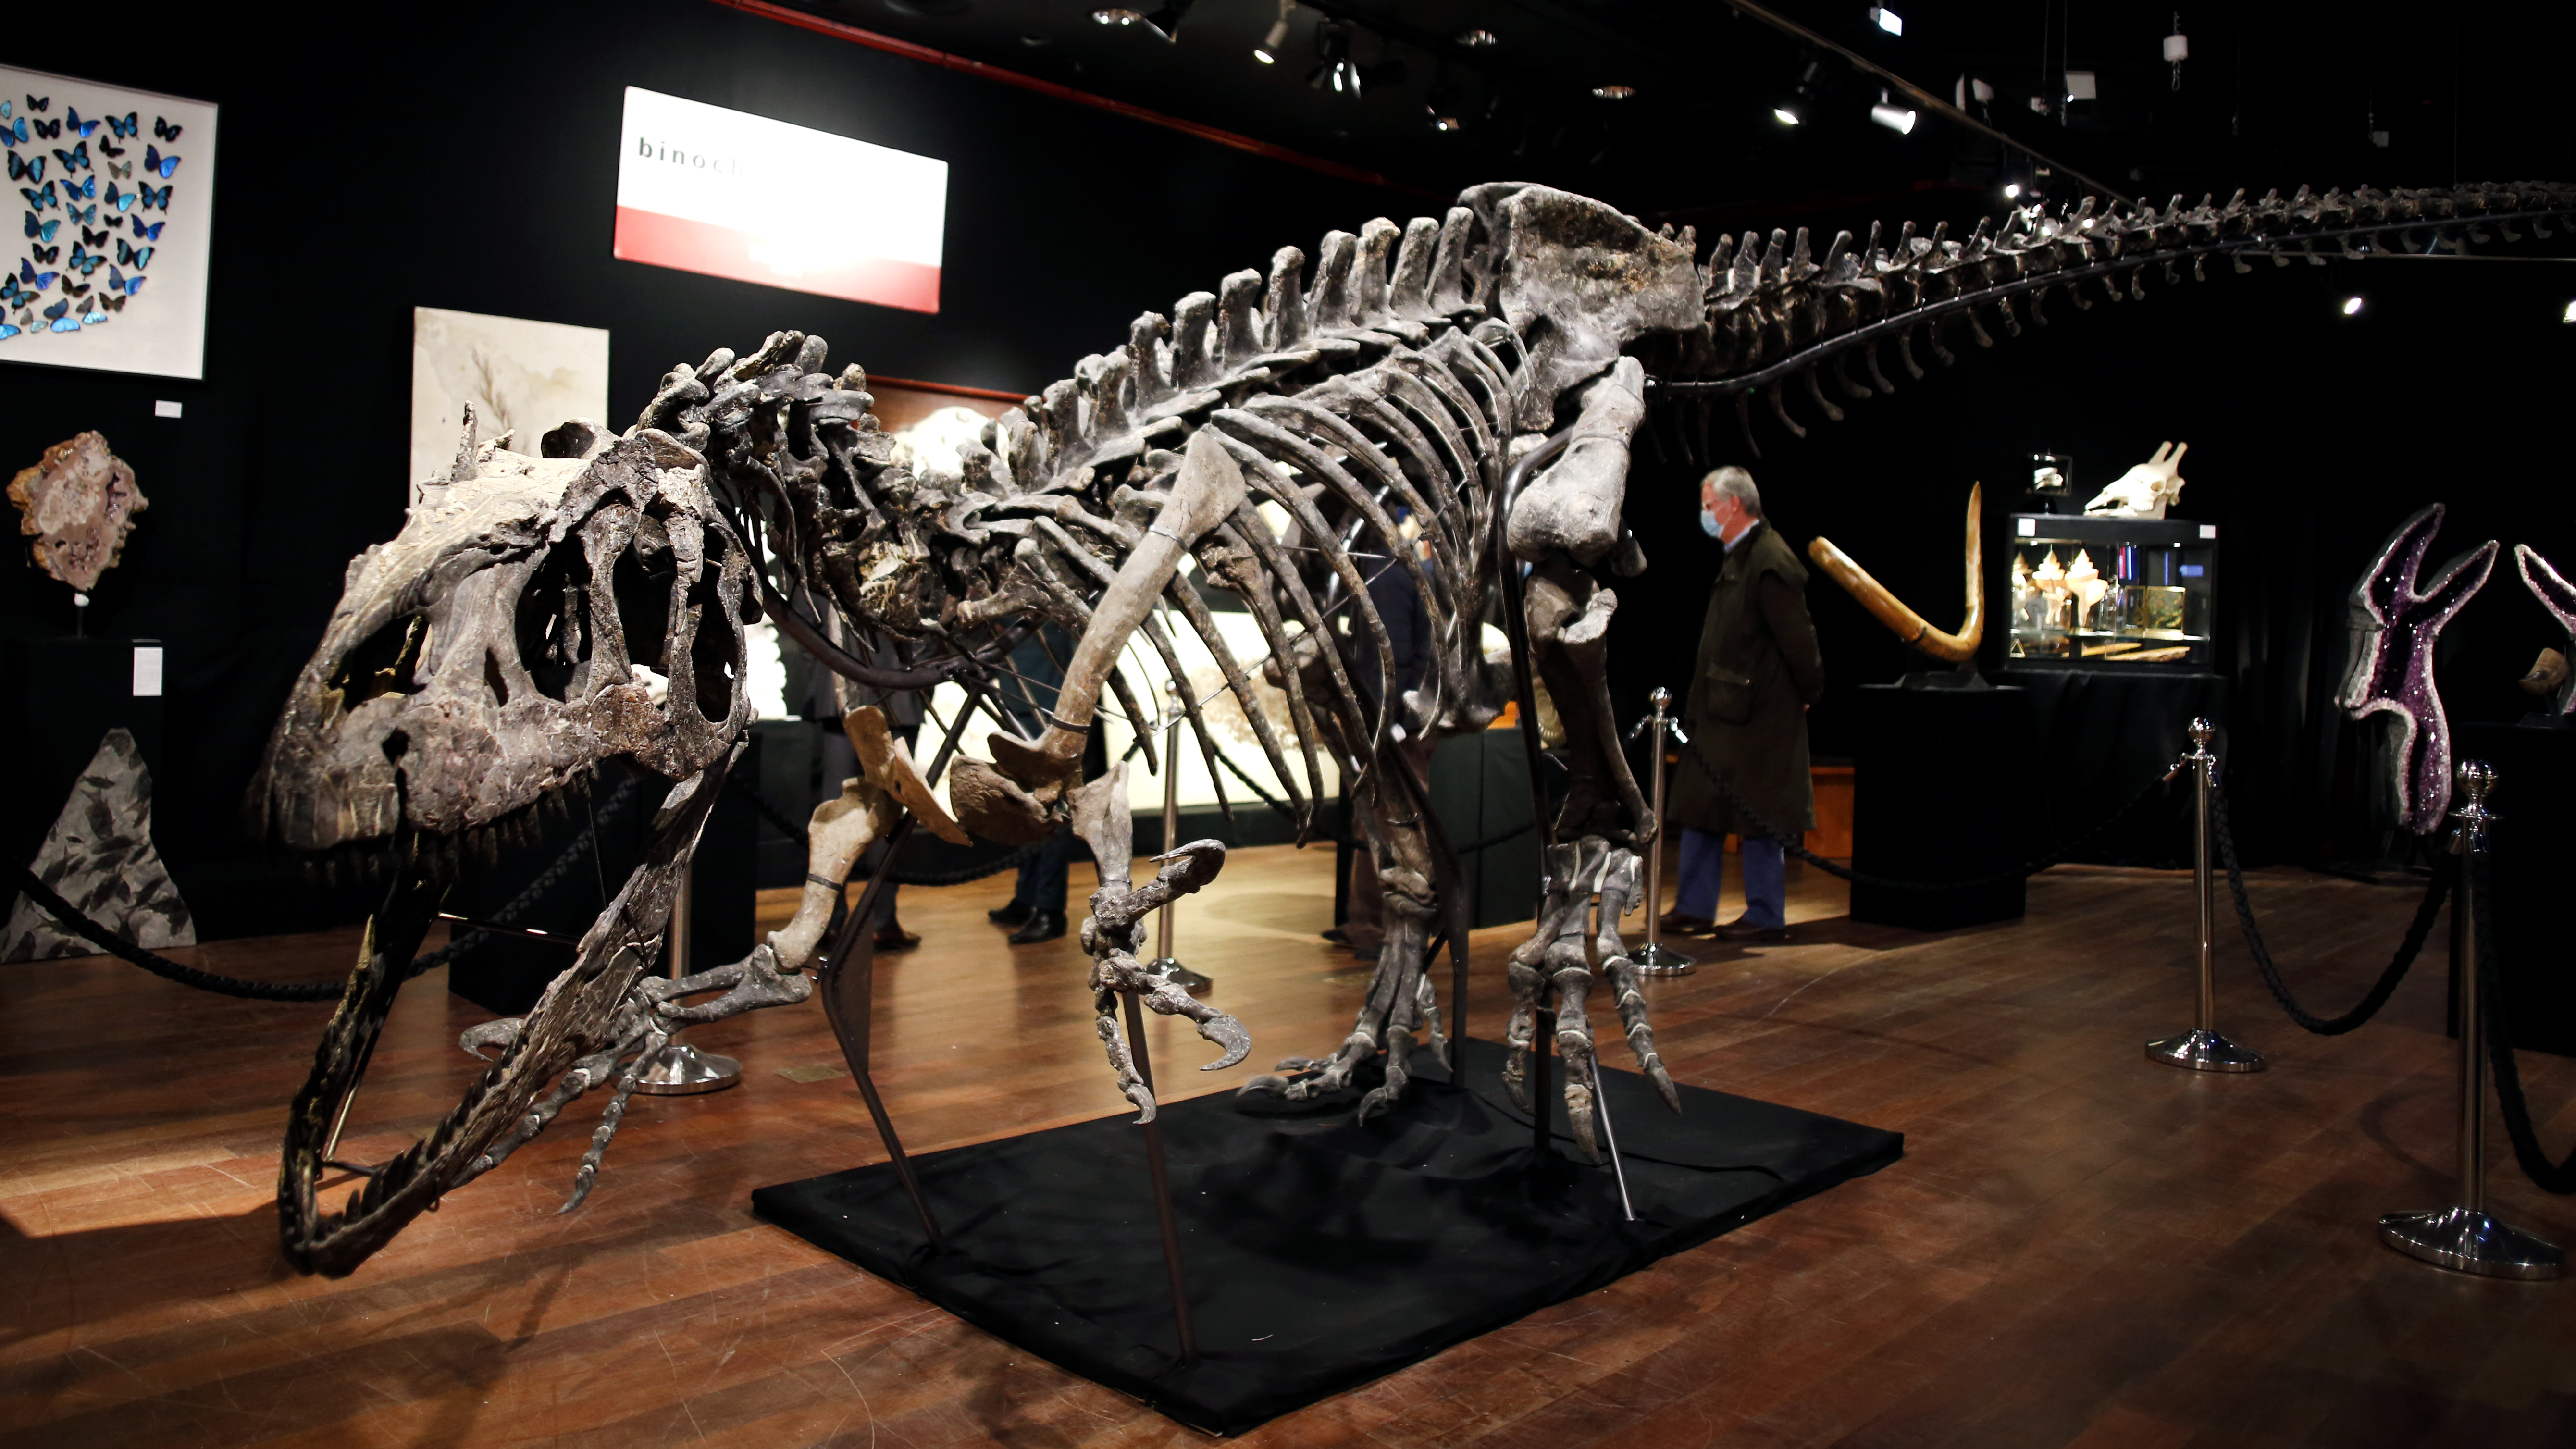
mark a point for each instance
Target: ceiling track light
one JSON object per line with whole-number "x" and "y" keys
{"x": 1793, "y": 110}
{"x": 1165, "y": 23}
{"x": 1894, "y": 117}
{"x": 1479, "y": 39}
{"x": 1333, "y": 69}
{"x": 2352, "y": 306}
{"x": 1614, "y": 92}
{"x": 1887, "y": 20}
{"x": 1267, "y": 52}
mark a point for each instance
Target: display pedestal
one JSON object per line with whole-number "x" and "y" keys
{"x": 2097, "y": 736}
{"x": 1319, "y": 1254}
{"x": 58, "y": 698}
{"x": 2533, "y": 858}
{"x": 1942, "y": 793}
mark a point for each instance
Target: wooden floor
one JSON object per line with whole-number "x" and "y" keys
{"x": 2079, "y": 1248}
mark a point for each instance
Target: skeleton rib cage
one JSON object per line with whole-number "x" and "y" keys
{"x": 1480, "y": 376}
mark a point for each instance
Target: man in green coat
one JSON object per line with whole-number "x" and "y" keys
{"x": 1758, "y": 671}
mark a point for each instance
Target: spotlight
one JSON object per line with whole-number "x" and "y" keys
{"x": 1267, "y": 52}
{"x": 1165, "y": 23}
{"x": 2352, "y": 307}
{"x": 1887, "y": 20}
{"x": 1116, "y": 15}
{"x": 1784, "y": 115}
{"x": 1613, "y": 92}
{"x": 2012, "y": 191}
{"x": 1445, "y": 124}
{"x": 1333, "y": 68}
{"x": 2571, "y": 313}
{"x": 1793, "y": 109}
{"x": 1479, "y": 39}
{"x": 1893, "y": 117}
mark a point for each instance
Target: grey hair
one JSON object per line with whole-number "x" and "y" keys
{"x": 1735, "y": 483}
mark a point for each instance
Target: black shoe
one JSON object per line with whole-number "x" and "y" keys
{"x": 1015, "y": 914}
{"x": 1042, "y": 926}
{"x": 1740, "y": 929}
{"x": 893, "y": 937}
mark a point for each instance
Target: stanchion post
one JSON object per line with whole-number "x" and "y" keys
{"x": 2202, "y": 1049}
{"x": 2465, "y": 1237}
{"x": 1655, "y": 958}
{"x": 1158, "y": 1172}
{"x": 681, "y": 1070}
{"x": 1164, "y": 962}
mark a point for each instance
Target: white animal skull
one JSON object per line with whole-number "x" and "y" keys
{"x": 2145, "y": 491}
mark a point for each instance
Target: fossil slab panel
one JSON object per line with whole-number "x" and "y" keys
{"x": 99, "y": 857}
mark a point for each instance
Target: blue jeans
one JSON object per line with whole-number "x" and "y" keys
{"x": 1766, "y": 878}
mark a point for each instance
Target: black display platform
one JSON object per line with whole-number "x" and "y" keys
{"x": 2532, "y": 857}
{"x": 1942, "y": 791}
{"x": 1321, "y": 1253}
{"x": 2098, "y": 735}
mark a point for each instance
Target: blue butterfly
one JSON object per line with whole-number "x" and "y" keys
{"x": 31, "y": 171}
{"x": 91, "y": 239}
{"x": 136, "y": 257}
{"x": 97, "y": 312}
{"x": 148, "y": 233}
{"x": 126, "y": 127}
{"x": 124, "y": 202}
{"x": 19, "y": 131}
{"x": 163, "y": 130}
{"x": 8, "y": 330}
{"x": 4, "y": 110}
{"x": 157, "y": 163}
{"x": 54, "y": 313}
{"x": 85, "y": 262}
{"x": 42, "y": 231}
{"x": 75, "y": 158}
{"x": 151, "y": 198}
{"x": 44, "y": 254}
{"x": 82, "y": 214}
{"x": 119, "y": 282}
{"x": 9, "y": 136}
{"x": 39, "y": 200}
{"x": 36, "y": 281}
{"x": 88, "y": 186}
{"x": 79, "y": 126}
{"x": 66, "y": 324}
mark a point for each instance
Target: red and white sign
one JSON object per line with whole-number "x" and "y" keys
{"x": 704, "y": 189}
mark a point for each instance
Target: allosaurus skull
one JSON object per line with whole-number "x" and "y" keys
{"x": 535, "y": 617}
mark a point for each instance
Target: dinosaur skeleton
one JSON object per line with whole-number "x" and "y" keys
{"x": 1477, "y": 376}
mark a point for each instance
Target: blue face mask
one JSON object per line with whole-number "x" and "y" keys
{"x": 1708, "y": 522}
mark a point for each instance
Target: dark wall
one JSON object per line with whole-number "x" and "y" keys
{"x": 469, "y": 160}
{"x": 2312, "y": 436}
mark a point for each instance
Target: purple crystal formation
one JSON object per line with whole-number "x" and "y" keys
{"x": 2395, "y": 625}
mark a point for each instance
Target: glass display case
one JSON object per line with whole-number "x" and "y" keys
{"x": 2098, "y": 593}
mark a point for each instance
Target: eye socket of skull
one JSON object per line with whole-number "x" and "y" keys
{"x": 640, "y": 583}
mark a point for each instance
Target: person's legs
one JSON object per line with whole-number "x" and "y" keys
{"x": 1766, "y": 883}
{"x": 1695, "y": 883}
{"x": 1042, "y": 887}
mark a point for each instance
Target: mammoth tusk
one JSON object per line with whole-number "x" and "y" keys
{"x": 1891, "y": 611}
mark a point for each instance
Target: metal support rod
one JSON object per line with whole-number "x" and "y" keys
{"x": 1595, "y": 926}
{"x": 1542, "y": 1045}
{"x": 847, "y": 984}
{"x": 1655, "y": 958}
{"x": 1156, "y": 1169}
{"x": 679, "y": 1069}
{"x": 2202, "y": 1049}
{"x": 1164, "y": 962}
{"x": 2465, "y": 1237}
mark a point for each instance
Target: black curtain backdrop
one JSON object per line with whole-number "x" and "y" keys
{"x": 466, "y": 156}
{"x": 2312, "y": 436}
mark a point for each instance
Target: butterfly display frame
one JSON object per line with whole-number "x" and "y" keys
{"x": 108, "y": 266}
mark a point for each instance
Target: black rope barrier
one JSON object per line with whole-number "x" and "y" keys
{"x": 2548, "y": 1176}
{"x": 77, "y": 921}
{"x": 1709, "y": 768}
{"x": 2417, "y": 932}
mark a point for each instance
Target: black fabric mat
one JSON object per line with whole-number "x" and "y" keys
{"x": 1321, "y": 1253}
